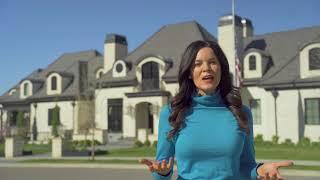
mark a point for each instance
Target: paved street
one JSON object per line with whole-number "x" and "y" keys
{"x": 55, "y": 173}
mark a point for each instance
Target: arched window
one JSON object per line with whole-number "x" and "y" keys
{"x": 54, "y": 83}
{"x": 314, "y": 59}
{"x": 252, "y": 62}
{"x": 26, "y": 89}
{"x": 150, "y": 76}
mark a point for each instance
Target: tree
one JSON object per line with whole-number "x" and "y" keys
{"x": 55, "y": 121}
{"x": 34, "y": 129}
{"x": 21, "y": 126}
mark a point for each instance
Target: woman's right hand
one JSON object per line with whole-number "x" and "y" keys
{"x": 162, "y": 167}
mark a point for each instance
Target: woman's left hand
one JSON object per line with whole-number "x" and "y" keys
{"x": 269, "y": 171}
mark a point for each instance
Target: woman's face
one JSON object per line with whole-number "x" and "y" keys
{"x": 206, "y": 71}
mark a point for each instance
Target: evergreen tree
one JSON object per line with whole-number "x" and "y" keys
{"x": 55, "y": 121}
{"x": 21, "y": 129}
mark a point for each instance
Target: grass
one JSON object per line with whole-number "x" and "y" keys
{"x": 290, "y": 153}
{"x": 35, "y": 148}
{"x": 133, "y": 152}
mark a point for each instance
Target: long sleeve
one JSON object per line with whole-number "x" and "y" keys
{"x": 248, "y": 163}
{"x": 165, "y": 146}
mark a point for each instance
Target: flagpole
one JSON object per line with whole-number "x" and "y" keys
{"x": 234, "y": 42}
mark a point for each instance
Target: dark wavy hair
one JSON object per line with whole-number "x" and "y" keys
{"x": 182, "y": 101}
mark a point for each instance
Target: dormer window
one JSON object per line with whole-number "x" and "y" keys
{"x": 314, "y": 59}
{"x": 54, "y": 83}
{"x": 12, "y": 91}
{"x": 252, "y": 63}
{"x": 99, "y": 73}
{"x": 309, "y": 59}
{"x": 119, "y": 69}
{"x": 26, "y": 89}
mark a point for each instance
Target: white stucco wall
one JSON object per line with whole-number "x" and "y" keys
{"x": 102, "y": 96}
{"x": 112, "y": 52}
{"x": 41, "y": 114}
{"x": 311, "y": 131}
{"x": 267, "y": 126}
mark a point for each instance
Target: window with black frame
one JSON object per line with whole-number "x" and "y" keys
{"x": 50, "y": 115}
{"x": 255, "y": 106}
{"x": 252, "y": 63}
{"x": 150, "y": 76}
{"x": 312, "y": 111}
{"x": 115, "y": 115}
{"x": 54, "y": 83}
{"x": 314, "y": 59}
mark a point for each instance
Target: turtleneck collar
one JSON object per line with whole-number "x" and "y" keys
{"x": 212, "y": 100}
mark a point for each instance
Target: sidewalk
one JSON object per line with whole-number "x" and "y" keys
{"x": 15, "y": 163}
{"x": 48, "y": 156}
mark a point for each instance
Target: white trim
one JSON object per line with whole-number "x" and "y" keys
{"x": 257, "y": 73}
{"x": 123, "y": 73}
{"x": 304, "y": 62}
{"x": 151, "y": 59}
{"x": 22, "y": 85}
{"x": 12, "y": 91}
{"x": 100, "y": 70}
{"x": 59, "y": 84}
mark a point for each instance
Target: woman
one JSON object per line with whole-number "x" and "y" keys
{"x": 206, "y": 127}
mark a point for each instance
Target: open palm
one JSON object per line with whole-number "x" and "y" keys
{"x": 270, "y": 171}
{"x": 162, "y": 167}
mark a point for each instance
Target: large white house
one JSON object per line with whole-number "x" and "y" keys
{"x": 281, "y": 72}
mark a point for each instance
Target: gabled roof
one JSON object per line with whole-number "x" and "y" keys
{"x": 67, "y": 66}
{"x": 169, "y": 43}
{"x": 284, "y": 48}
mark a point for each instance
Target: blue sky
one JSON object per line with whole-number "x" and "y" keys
{"x": 34, "y": 33}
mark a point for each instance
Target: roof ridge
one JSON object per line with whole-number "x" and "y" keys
{"x": 283, "y": 31}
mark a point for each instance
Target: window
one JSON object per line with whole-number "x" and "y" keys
{"x": 51, "y": 114}
{"x": 54, "y": 83}
{"x": 314, "y": 59}
{"x": 119, "y": 68}
{"x": 26, "y": 89}
{"x": 150, "y": 76}
{"x": 255, "y": 106}
{"x": 13, "y": 118}
{"x": 312, "y": 111}
{"x": 115, "y": 115}
{"x": 252, "y": 62}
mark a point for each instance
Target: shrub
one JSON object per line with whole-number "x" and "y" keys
{"x": 258, "y": 139}
{"x": 304, "y": 142}
{"x": 147, "y": 143}
{"x": 275, "y": 139}
{"x": 138, "y": 143}
{"x": 288, "y": 142}
{"x": 315, "y": 144}
{"x": 154, "y": 144}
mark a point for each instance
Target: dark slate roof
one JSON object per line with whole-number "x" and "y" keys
{"x": 168, "y": 44}
{"x": 68, "y": 67}
{"x": 283, "y": 49}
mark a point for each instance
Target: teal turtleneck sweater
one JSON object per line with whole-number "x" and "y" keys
{"x": 211, "y": 145}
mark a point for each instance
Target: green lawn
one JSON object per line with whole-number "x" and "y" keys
{"x": 262, "y": 152}
{"x": 291, "y": 153}
{"x": 35, "y": 148}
